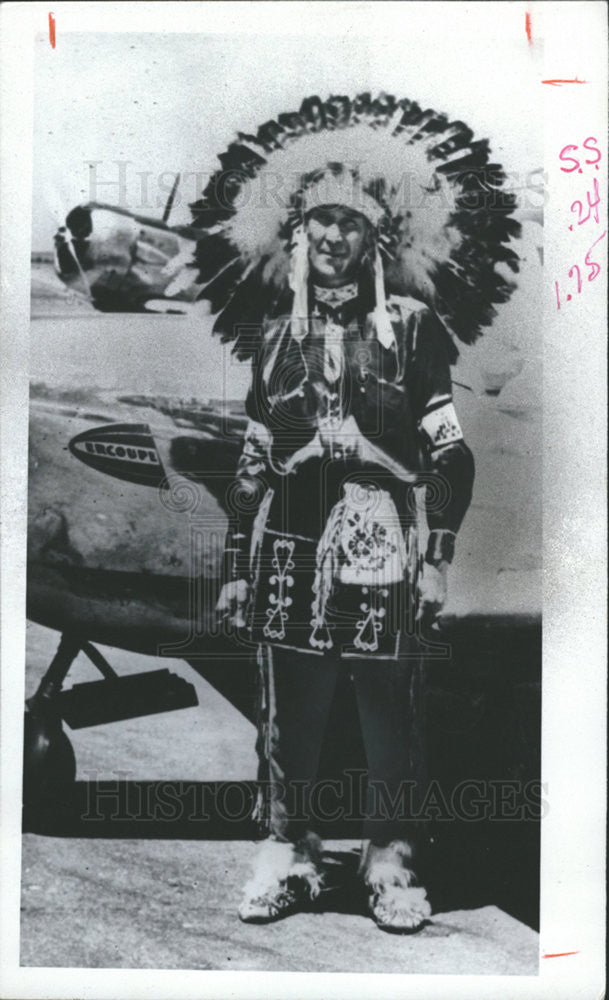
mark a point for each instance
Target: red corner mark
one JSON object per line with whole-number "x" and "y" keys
{"x": 558, "y": 83}
{"x": 52, "y": 30}
{"x": 561, "y": 954}
{"x": 527, "y": 25}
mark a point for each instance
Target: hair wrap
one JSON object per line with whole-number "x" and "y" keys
{"x": 299, "y": 283}
{"x": 439, "y": 207}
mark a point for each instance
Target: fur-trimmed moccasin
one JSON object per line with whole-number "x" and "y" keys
{"x": 287, "y": 877}
{"x": 395, "y": 902}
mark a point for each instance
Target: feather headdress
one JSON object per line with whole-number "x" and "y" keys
{"x": 440, "y": 214}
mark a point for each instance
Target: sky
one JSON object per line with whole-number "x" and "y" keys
{"x": 473, "y": 61}
{"x": 163, "y": 103}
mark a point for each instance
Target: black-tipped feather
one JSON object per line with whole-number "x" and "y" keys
{"x": 361, "y": 106}
{"x": 314, "y": 113}
{"x": 212, "y": 253}
{"x": 465, "y": 286}
{"x": 240, "y": 157}
{"x": 269, "y": 136}
{"x": 382, "y": 109}
{"x": 219, "y": 289}
{"x": 293, "y": 123}
{"x": 206, "y": 216}
{"x": 459, "y": 137}
{"x": 338, "y": 111}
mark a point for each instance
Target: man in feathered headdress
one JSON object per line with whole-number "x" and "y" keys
{"x": 342, "y": 256}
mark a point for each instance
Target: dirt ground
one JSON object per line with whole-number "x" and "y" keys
{"x": 98, "y": 895}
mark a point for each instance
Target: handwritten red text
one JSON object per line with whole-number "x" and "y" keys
{"x": 586, "y": 210}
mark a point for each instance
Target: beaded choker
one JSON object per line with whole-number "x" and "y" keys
{"x": 335, "y": 297}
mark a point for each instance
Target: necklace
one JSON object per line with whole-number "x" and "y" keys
{"x": 335, "y": 297}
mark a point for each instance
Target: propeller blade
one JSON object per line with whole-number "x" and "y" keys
{"x": 171, "y": 199}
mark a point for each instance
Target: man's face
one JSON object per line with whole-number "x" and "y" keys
{"x": 337, "y": 239}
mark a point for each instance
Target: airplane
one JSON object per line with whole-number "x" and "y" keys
{"x": 122, "y": 261}
{"x": 126, "y": 525}
{"x": 125, "y": 598}
{"x": 127, "y": 519}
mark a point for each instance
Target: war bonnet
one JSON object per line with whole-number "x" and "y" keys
{"x": 441, "y": 216}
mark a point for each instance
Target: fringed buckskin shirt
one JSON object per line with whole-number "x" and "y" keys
{"x": 342, "y": 429}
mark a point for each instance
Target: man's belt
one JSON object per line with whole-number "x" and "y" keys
{"x": 355, "y": 445}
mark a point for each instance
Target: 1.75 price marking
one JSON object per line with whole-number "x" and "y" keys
{"x": 595, "y": 270}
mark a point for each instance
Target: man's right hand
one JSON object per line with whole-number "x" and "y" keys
{"x": 232, "y": 601}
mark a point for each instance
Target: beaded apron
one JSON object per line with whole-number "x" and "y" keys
{"x": 348, "y": 592}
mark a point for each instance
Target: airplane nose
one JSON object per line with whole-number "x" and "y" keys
{"x": 80, "y": 223}
{"x": 72, "y": 246}
{"x": 66, "y": 264}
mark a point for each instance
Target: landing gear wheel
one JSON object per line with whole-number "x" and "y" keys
{"x": 49, "y": 763}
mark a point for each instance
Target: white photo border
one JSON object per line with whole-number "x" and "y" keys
{"x": 574, "y": 622}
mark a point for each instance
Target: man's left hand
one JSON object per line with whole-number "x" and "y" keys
{"x": 432, "y": 592}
